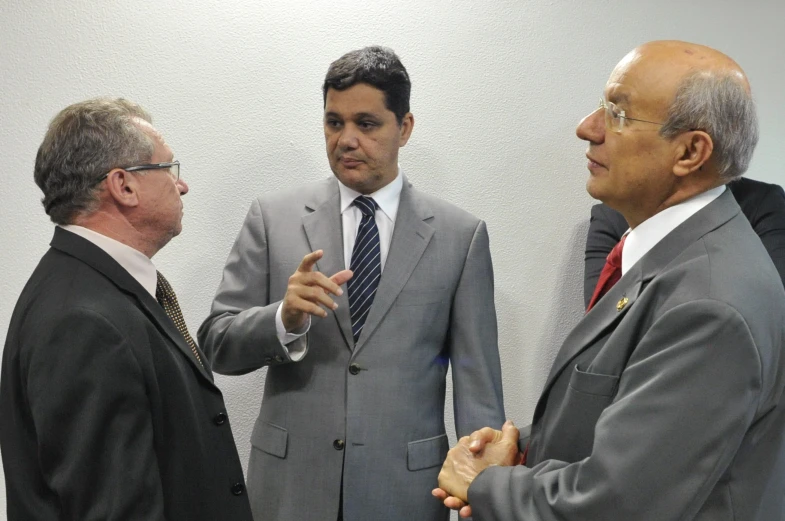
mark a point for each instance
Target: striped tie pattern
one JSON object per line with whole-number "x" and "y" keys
{"x": 366, "y": 265}
{"x": 168, "y": 300}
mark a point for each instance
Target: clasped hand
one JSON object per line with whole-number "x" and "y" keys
{"x": 473, "y": 454}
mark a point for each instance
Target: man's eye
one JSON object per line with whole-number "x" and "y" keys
{"x": 332, "y": 123}
{"x": 367, "y": 125}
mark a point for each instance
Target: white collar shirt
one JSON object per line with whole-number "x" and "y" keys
{"x": 136, "y": 263}
{"x": 651, "y": 231}
{"x": 388, "y": 198}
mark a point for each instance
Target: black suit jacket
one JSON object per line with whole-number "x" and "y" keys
{"x": 106, "y": 415}
{"x": 762, "y": 203}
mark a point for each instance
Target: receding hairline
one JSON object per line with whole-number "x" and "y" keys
{"x": 693, "y": 58}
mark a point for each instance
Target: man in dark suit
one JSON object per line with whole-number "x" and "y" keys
{"x": 665, "y": 402}
{"x": 109, "y": 410}
{"x": 762, "y": 203}
{"x": 351, "y": 424}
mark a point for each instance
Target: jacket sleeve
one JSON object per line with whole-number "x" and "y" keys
{"x": 93, "y": 421}
{"x": 769, "y": 223}
{"x": 606, "y": 226}
{"x": 473, "y": 343}
{"x": 240, "y": 335}
{"x": 663, "y": 443}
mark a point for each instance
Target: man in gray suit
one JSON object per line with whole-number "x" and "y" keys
{"x": 666, "y": 401}
{"x": 352, "y": 420}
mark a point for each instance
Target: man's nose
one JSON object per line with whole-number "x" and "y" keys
{"x": 183, "y": 186}
{"x": 592, "y": 127}
{"x": 348, "y": 137}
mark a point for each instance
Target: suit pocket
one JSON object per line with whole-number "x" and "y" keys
{"x": 586, "y": 397}
{"x": 421, "y": 297}
{"x": 592, "y": 383}
{"x": 270, "y": 438}
{"x": 427, "y": 453}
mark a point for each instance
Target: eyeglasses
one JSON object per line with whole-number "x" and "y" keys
{"x": 614, "y": 116}
{"x": 174, "y": 169}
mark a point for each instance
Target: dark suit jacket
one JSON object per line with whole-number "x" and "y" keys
{"x": 105, "y": 413}
{"x": 665, "y": 402}
{"x": 763, "y": 204}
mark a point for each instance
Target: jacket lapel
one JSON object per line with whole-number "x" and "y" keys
{"x": 102, "y": 262}
{"x": 324, "y": 231}
{"x": 606, "y": 313}
{"x": 411, "y": 236}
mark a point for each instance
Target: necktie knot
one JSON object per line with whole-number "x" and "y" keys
{"x": 366, "y": 205}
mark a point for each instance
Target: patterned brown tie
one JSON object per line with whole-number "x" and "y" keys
{"x": 168, "y": 300}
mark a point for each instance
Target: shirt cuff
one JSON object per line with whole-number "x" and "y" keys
{"x": 294, "y": 343}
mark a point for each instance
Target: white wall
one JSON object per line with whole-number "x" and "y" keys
{"x": 498, "y": 87}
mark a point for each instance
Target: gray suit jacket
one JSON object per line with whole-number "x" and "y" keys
{"x": 667, "y": 405}
{"x": 365, "y": 420}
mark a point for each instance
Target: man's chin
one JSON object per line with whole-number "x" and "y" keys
{"x": 593, "y": 188}
{"x": 354, "y": 179}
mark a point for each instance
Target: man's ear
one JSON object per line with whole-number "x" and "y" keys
{"x": 693, "y": 151}
{"x": 123, "y": 188}
{"x": 407, "y": 125}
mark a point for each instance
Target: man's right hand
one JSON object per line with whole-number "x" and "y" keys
{"x": 308, "y": 291}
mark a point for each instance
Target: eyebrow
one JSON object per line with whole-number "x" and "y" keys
{"x": 359, "y": 115}
{"x": 620, "y": 97}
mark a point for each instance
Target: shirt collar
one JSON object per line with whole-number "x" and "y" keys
{"x": 136, "y": 263}
{"x": 651, "y": 231}
{"x": 387, "y": 197}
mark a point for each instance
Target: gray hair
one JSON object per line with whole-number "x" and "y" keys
{"x": 718, "y": 104}
{"x": 84, "y": 142}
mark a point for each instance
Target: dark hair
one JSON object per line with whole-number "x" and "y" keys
{"x": 377, "y": 66}
{"x": 85, "y": 141}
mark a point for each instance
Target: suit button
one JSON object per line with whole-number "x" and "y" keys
{"x": 237, "y": 489}
{"x": 268, "y": 360}
{"x": 278, "y": 359}
{"x": 354, "y": 369}
{"x": 338, "y": 444}
{"x": 220, "y": 418}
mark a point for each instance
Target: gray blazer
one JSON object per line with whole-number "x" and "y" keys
{"x": 665, "y": 402}
{"x": 365, "y": 420}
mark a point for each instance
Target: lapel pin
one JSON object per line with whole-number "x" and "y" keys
{"x": 621, "y": 303}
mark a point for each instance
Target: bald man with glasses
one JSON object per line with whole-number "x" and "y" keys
{"x": 665, "y": 402}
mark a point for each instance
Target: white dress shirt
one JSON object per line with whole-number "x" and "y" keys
{"x": 388, "y": 197}
{"x": 135, "y": 262}
{"x": 651, "y": 231}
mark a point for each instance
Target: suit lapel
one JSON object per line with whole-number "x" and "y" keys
{"x": 411, "y": 236}
{"x": 606, "y": 314}
{"x": 102, "y": 262}
{"x": 324, "y": 231}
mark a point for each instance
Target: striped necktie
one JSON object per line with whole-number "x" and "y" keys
{"x": 168, "y": 300}
{"x": 366, "y": 265}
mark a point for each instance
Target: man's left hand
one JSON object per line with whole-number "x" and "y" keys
{"x": 463, "y": 465}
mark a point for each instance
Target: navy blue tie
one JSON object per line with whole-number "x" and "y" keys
{"x": 366, "y": 265}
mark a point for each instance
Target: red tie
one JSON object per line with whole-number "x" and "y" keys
{"x": 610, "y": 275}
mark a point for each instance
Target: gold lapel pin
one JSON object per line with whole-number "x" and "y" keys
{"x": 621, "y": 303}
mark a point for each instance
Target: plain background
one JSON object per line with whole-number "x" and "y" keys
{"x": 234, "y": 86}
